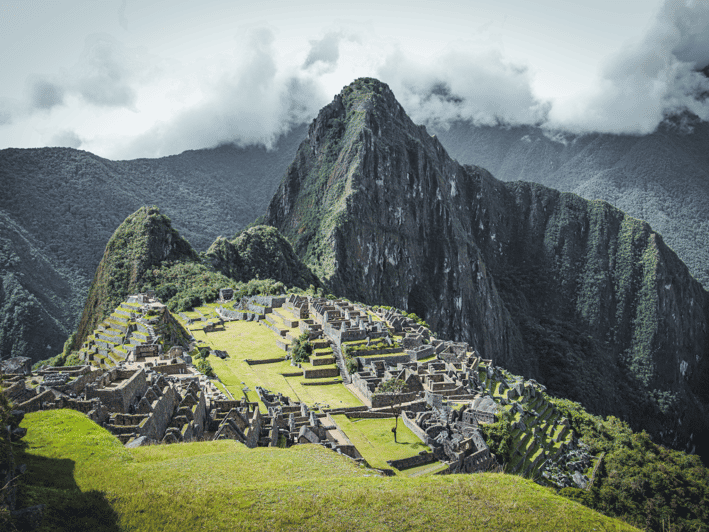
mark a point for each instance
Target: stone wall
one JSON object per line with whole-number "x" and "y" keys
{"x": 368, "y": 414}
{"x": 269, "y": 301}
{"x": 81, "y": 381}
{"x": 413, "y": 427}
{"x": 391, "y": 360}
{"x": 252, "y": 362}
{"x": 320, "y": 373}
{"x": 199, "y": 414}
{"x": 118, "y": 399}
{"x": 37, "y": 402}
{"x": 413, "y": 461}
{"x": 179, "y": 368}
{"x": 274, "y": 328}
{"x": 282, "y": 344}
{"x": 380, "y": 400}
{"x": 374, "y": 352}
{"x": 163, "y": 407}
{"x": 254, "y": 431}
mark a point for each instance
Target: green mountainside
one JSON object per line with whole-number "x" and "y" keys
{"x": 38, "y": 298}
{"x": 144, "y": 240}
{"x": 260, "y": 252}
{"x": 90, "y": 482}
{"x": 662, "y": 177}
{"x": 146, "y": 252}
{"x": 574, "y": 293}
{"x": 65, "y": 204}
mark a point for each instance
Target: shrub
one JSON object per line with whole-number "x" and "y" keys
{"x": 352, "y": 365}
{"x": 302, "y": 348}
{"x": 205, "y": 367}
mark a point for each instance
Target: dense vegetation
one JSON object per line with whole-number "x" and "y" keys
{"x": 39, "y": 300}
{"x": 643, "y": 483}
{"x": 302, "y": 348}
{"x": 183, "y": 285}
{"x": 144, "y": 240}
{"x": 661, "y": 178}
{"x": 260, "y": 252}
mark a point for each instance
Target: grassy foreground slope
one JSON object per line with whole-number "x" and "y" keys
{"x": 90, "y": 482}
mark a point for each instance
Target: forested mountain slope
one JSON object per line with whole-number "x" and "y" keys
{"x": 67, "y": 203}
{"x": 662, "y": 178}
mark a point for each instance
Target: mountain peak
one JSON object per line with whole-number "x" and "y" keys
{"x": 145, "y": 239}
{"x": 341, "y": 158}
{"x": 380, "y": 212}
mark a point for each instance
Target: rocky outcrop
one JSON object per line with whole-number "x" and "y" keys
{"x": 260, "y": 252}
{"x": 574, "y": 293}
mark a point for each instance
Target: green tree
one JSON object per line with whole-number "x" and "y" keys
{"x": 395, "y": 387}
{"x": 302, "y": 348}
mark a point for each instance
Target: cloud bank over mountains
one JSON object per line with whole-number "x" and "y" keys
{"x": 122, "y": 102}
{"x": 648, "y": 79}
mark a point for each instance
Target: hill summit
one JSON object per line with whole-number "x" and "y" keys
{"x": 145, "y": 239}
{"x": 574, "y": 293}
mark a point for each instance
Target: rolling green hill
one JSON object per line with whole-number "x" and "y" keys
{"x": 90, "y": 482}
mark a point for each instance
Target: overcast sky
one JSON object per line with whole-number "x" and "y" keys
{"x": 127, "y": 79}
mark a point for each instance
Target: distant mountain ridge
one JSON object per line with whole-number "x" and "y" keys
{"x": 575, "y": 293}
{"x": 662, "y": 178}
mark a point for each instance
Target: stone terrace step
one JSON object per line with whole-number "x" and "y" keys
{"x": 320, "y": 373}
{"x": 322, "y": 361}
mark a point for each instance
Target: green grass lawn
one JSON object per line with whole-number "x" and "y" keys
{"x": 90, "y": 482}
{"x": 375, "y": 441}
{"x": 249, "y": 340}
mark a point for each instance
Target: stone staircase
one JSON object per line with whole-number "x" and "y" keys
{"x": 106, "y": 347}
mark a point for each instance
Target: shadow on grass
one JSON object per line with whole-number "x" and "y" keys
{"x": 51, "y": 482}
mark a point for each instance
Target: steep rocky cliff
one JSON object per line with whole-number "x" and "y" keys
{"x": 662, "y": 178}
{"x": 575, "y": 293}
{"x": 145, "y": 239}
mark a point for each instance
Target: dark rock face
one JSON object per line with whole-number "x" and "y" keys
{"x": 662, "y": 178}
{"x": 576, "y": 294}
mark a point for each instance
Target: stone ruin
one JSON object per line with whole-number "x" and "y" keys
{"x": 130, "y": 403}
{"x": 158, "y": 396}
{"x": 452, "y": 434}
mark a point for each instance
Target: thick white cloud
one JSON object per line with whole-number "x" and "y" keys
{"x": 457, "y": 85}
{"x": 44, "y": 94}
{"x": 254, "y": 104}
{"x": 106, "y": 75}
{"x": 648, "y": 79}
{"x": 325, "y": 50}
{"x": 120, "y": 101}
